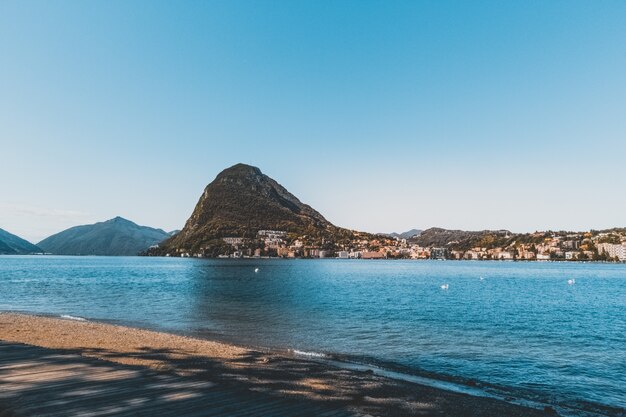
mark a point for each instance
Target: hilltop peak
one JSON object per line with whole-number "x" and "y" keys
{"x": 240, "y": 202}
{"x": 241, "y": 168}
{"x": 118, "y": 219}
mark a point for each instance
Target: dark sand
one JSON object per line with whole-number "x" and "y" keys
{"x": 266, "y": 372}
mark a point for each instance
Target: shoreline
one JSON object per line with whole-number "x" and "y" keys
{"x": 263, "y": 258}
{"x": 356, "y": 387}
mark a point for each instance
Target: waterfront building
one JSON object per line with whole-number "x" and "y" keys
{"x": 438, "y": 253}
{"x": 613, "y": 250}
{"x": 372, "y": 255}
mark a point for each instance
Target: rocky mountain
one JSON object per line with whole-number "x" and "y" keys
{"x": 404, "y": 235}
{"x": 461, "y": 239}
{"x": 115, "y": 237}
{"x": 14, "y": 245}
{"x": 240, "y": 202}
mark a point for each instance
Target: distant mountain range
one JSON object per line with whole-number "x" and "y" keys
{"x": 461, "y": 239}
{"x": 404, "y": 235}
{"x": 240, "y": 202}
{"x": 115, "y": 237}
{"x": 14, "y": 245}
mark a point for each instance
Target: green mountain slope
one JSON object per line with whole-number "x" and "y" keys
{"x": 461, "y": 239}
{"x": 240, "y": 202}
{"x": 14, "y": 245}
{"x": 115, "y": 237}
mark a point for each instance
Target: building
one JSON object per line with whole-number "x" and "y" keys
{"x": 505, "y": 255}
{"x": 438, "y": 253}
{"x": 613, "y": 250}
{"x": 571, "y": 244}
{"x": 528, "y": 255}
{"x": 456, "y": 254}
{"x": 233, "y": 240}
{"x": 343, "y": 254}
{"x": 271, "y": 234}
{"x": 473, "y": 254}
{"x": 372, "y": 255}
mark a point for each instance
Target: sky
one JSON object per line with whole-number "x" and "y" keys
{"x": 384, "y": 116}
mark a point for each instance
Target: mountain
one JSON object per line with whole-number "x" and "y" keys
{"x": 115, "y": 237}
{"x": 14, "y": 245}
{"x": 240, "y": 202}
{"x": 404, "y": 235}
{"x": 460, "y": 239}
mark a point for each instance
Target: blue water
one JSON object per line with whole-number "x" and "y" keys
{"x": 522, "y": 330}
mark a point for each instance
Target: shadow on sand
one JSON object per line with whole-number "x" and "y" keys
{"x": 39, "y": 381}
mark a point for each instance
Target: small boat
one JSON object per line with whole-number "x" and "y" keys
{"x": 444, "y": 287}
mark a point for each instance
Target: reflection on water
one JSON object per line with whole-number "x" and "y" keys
{"x": 521, "y": 326}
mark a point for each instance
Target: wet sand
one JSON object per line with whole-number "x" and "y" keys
{"x": 270, "y": 373}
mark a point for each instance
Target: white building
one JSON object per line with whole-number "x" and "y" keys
{"x": 233, "y": 240}
{"x": 613, "y": 250}
{"x": 272, "y": 234}
{"x": 272, "y": 238}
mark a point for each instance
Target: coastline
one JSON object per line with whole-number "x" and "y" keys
{"x": 276, "y": 373}
{"x": 283, "y": 258}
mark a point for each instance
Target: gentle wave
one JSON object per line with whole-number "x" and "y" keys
{"x": 308, "y": 354}
{"x": 68, "y": 317}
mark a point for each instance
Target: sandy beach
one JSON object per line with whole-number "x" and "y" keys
{"x": 273, "y": 374}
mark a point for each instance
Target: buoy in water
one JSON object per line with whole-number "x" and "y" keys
{"x": 256, "y": 270}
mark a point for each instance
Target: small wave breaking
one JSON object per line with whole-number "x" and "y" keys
{"x": 68, "y": 317}
{"x": 308, "y": 354}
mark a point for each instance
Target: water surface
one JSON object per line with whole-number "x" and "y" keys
{"x": 521, "y": 329}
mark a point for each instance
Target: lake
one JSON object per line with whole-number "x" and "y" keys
{"x": 513, "y": 328}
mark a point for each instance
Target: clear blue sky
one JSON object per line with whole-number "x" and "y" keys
{"x": 382, "y": 115}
